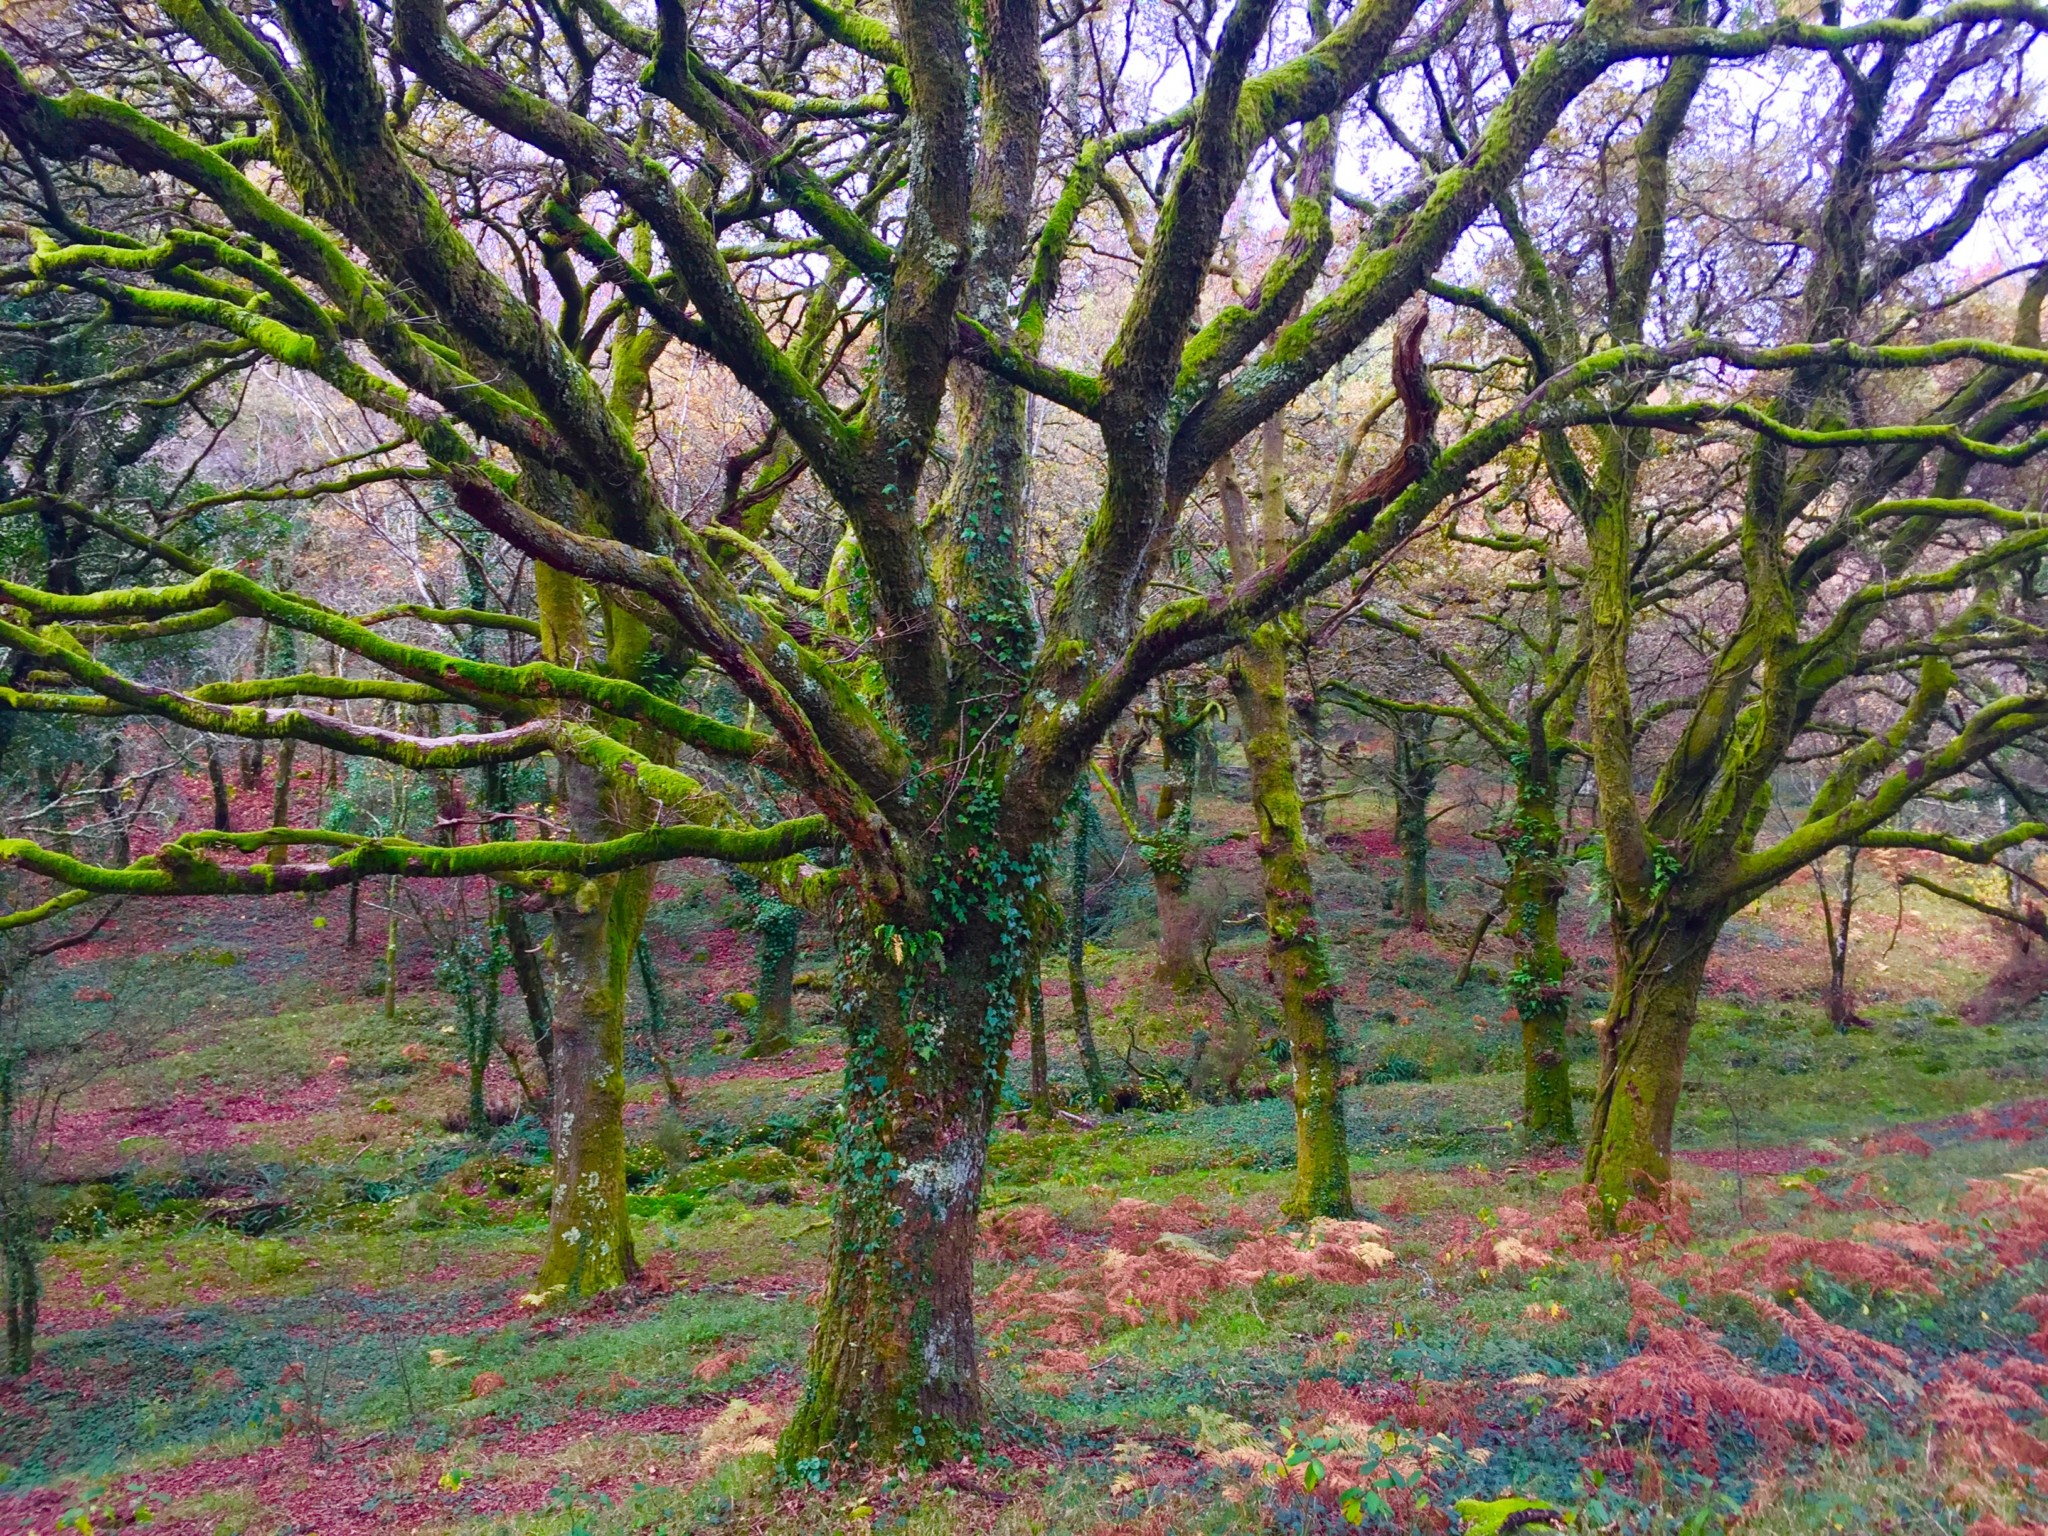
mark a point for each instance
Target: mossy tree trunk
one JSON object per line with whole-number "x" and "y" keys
{"x": 1536, "y": 986}
{"x": 893, "y": 1365}
{"x": 20, "y": 1281}
{"x": 1659, "y": 966}
{"x": 1413, "y": 781}
{"x": 777, "y": 927}
{"x": 223, "y": 819}
{"x": 1311, "y": 772}
{"x": 1838, "y": 914}
{"x": 522, "y": 951}
{"x": 1294, "y": 949}
{"x": 1041, "y": 1058}
{"x": 1169, "y": 857}
{"x": 391, "y": 948}
{"x": 1083, "y": 813}
{"x": 590, "y": 1242}
{"x": 597, "y": 924}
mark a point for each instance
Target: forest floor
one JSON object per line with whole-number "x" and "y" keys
{"x": 286, "y": 1297}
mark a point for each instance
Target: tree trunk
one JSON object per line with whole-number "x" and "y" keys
{"x": 1836, "y": 918}
{"x": 281, "y": 799}
{"x": 1659, "y": 966}
{"x": 1310, "y": 772}
{"x": 1180, "y": 920}
{"x": 1414, "y": 780}
{"x": 480, "y": 1037}
{"x": 20, "y": 1283}
{"x": 110, "y": 807}
{"x": 1077, "y": 953}
{"x": 590, "y": 1241}
{"x": 777, "y": 925}
{"x": 1535, "y": 887}
{"x": 533, "y": 984}
{"x": 519, "y": 941}
{"x": 217, "y": 775}
{"x": 657, "y": 1021}
{"x": 597, "y": 927}
{"x": 893, "y": 1372}
{"x": 1169, "y": 853}
{"x": 1294, "y": 948}
{"x": 391, "y": 948}
{"x": 52, "y": 792}
{"x": 1041, "y": 1064}
{"x": 24, "y": 1288}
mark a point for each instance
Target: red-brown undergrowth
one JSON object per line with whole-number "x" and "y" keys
{"x": 1685, "y": 1384}
{"x": 1974, "y": 1408}
{"x": 1783, "y": 1260}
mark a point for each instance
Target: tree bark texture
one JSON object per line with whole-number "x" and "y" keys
{"x": 1041, "y": 1060}
{"x": 1077, "y": 950}
{"x": 590, "y": 1241}
{"x": 20, "y": 1281}
{"x": 893, "y": 1368}
{"x": 776, "y": 928}
{"x": 223, "y": 821}
{"x": 1294, "y": 948}
{"x": 1659, "y": 966}
{"x": 1536, "y": 986}
{"x": 1413, "y": 781}
{"x": 1169, "y": 857}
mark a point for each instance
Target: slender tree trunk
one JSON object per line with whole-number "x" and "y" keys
{"x": 391, "y": 948}
{"x": 777, "y": 926}
{"x": 223, "y": 821}
{"x": 20, "y": 1282}
{"x": 1836, "y": 916}
{"x": 1294, "y": 947}
{"x": 533, "y": 982}
{"x": 1180, "y": 921}
{"x": 1077, "y": 953}
{"x": 110, "y": 807}
{"x": 1170, "y": 853}
{"x": 519, "y": 941}
{"x": 355, "y": 906}
{"x": 1659, "y": 966}
{"x": 657, "y": 1021}
{"x": 480, "y": 1031}
{"x": 52, "y": 792}
{"x": 1169, "y": 857}
{"x": 1414, "y": 780}
{"x": 893, "y": 1372}
{"x": 281, "y": 799}
{"x": 1310, "y": 772}
{"x": 1535, "y": 887}
{"x": 1041, "y": 1064}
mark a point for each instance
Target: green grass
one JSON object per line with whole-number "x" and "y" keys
{"x": 393, "y": 1278}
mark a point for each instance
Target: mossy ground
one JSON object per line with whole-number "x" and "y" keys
{"x": 287, "y": 1298}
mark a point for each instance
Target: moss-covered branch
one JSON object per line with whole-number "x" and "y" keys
{"x": 480, "y": 618}
{"x": 503, "y": 689}
{"x": 180, "y": 867}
